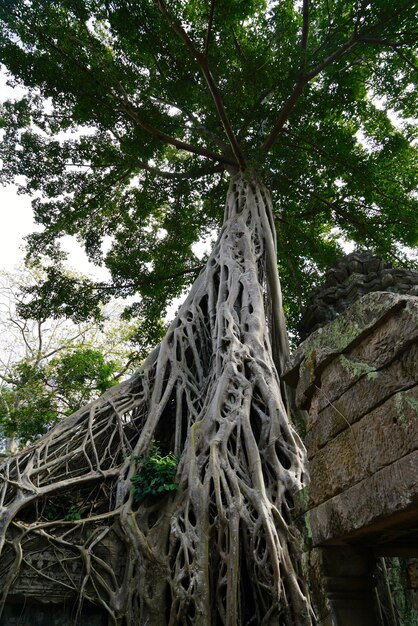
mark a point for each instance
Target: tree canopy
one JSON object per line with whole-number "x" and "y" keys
{"x": 136, "y": 112}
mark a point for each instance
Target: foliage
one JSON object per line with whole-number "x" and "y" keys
{"x": 73, "y": 514}
{"x": 36, "y": 395}
{"x": 138, "y": 111}
{"x": 51, "y": 513}
{"x": 80, "y": 372}
{"x": 156, "y": 474}
{"x": 27, "y": 407}
{"x": 50, "y": 368}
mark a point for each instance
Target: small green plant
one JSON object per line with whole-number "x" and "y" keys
{"x": 156, "y": 474}
{"x": 73, "y": 514}
{"x": 62, "y": 509}
{"x": 50, "y": 512}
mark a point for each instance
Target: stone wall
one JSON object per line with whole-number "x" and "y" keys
{"x": 357, "y": 378}
{"x": 45, "y": 593}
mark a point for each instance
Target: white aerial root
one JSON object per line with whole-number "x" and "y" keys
{"x": 221, "y": 550}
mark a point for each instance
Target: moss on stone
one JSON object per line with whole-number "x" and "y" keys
{"x": 344, "y": 329}
{"x": 358, "y": 368}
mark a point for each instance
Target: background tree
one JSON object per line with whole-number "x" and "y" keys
{"x": 182, "y": 103}
{"x": 34, "y": 396}
{"x": 49, "y": 368}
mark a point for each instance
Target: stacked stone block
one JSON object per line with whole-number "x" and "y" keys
{"x": 357, "y": 378}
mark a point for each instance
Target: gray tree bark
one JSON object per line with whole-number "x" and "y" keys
{"x": 221, "y": 550}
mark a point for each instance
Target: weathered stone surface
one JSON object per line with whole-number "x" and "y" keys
{"x": 342, "y": 334}
{"x": 358, "y": 378}
{"x": 392, "y": 490}
{"x": 363, "y": 397}
{"x": 412, "y": 565}
{"x": 352, "y": 277}
{"x": 49, "y": 580}
{"x": 316, "y": 586}
{"x": 376, "y": 350}
{"x": 380, "y": 438}
{"x": 338, "y": 335}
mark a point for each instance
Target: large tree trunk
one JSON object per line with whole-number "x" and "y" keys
{"x": 220, "y": 550}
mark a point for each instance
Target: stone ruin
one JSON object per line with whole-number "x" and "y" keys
{"x": 348, "y": 280}
{"x": 43, "y": 594}
{"x": 356, "y": 375}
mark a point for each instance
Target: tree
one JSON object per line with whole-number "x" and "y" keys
{"x": 284, "y": 103}
{"x": 34, "y": 396}
{"x": 50, "y": 368}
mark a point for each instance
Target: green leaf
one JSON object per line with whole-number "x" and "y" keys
{"x": 131, "y": 147}
{"x": 155, "y": 474}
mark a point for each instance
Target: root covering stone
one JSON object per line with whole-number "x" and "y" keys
{"x": 220, "y": 550}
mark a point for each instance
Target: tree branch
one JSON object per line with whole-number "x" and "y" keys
{"x": 48, "y": 355}
{"x": 7, "y": 379}
{"x": 303, "y": 79}
{"x": 338, "y": 210}
{"x": 40, "y": 338}
{"x": 195, "y": 121}
{"x": 148, "y": 281}
{"x": 335, "y": 158}
{"x": 305, "y": 27}
{"x": 395, "y": 45}
{"x": 125, "y": 106}
{"x": 284, "y": 114}
{"x": 193, "y": 173}
{"x": 381, "y": 41}
{"x": 213, "y": 88}
{"x": 22, "y": 332}
{"x": 209, "y": 29}
{"x": 299, "y": 86}
{"x": 407, "y": 61}
{"x": 177, "y": 143}
{"x": 335, "y": 56}
{"x": 126, "y": 367}
{"x": 364, "y": 228}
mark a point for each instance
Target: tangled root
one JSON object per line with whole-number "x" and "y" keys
{"x": 220, "y": 550}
